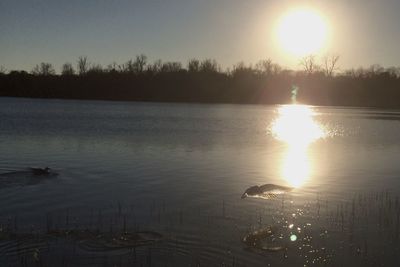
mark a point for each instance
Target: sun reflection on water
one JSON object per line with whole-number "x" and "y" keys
{"x": 297, "y": 129}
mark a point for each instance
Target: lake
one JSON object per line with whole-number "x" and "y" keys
{"x": 177, "y": 172}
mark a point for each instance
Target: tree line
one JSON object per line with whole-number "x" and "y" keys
{"x": 204, "y": 81}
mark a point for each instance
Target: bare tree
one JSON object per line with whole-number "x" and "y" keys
{"x": 36, "y": 70}
{"x": 83, "y": 65}
{"x": 360, "y": 72}
{"x": 375, "y": 70}
{"x": 155, "y": 67}
{"x": 193, "y": 65}
{"x": 127, "y": 67}
{"x": 350, "y": 72}
{"x": 265, "y": 67}
{"x": 393, "y": 71}
{"x": 241, "y": 69}
{"x": 276, "y": 69}
{"x": 67, "y": 69}
{"x": 209, "y": 65}
{"x": 43, "y": 69}
{"x": 137, "y": 66}
{"x": 140, "y": 63}
{"x": 330, "y": 64}
{"x": 112, "y": 67}
{"x": 171, "y": 67}
{"x": 238, "y": 68}
{"x": 95, "y": 68}
{"x": 309, "y": 64}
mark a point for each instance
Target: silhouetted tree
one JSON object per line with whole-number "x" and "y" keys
{"x": 276, "y": 69}
{"x": 209, "y": 65}
{"x": 265, "y": 67}
{"x": 193, "y": 65}
{"x": 155, "y": 67}
{"x": 350, "y": 73}
{"x": 95, "y": 69}
{"x": 137, "y": 66}
{"x": 171, "y": 67}
{"x": 67, "y": 69}
{"x": 241, "y": 68}
{"x": 128, "y": 67}
{"x": 140, "y": 63}
{"x": 330, "y": 64}
{"x": 43, "y": 69}
{"x": 309, "y": 64}
{"x": 393, "y": 71}
{"x": 83, "y": 65}
{"x": 375, "y": 70}
{"x": 114, "y": 67}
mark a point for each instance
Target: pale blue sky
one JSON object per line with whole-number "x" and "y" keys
{"x": 362, "y": 32}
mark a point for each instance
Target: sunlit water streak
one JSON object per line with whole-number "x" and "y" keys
{"x": 296, "y": 127}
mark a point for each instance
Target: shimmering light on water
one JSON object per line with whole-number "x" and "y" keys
{"x": 296, "y": 166}
{"x": 296, "y": 128}
{"x": 293, "y": 238}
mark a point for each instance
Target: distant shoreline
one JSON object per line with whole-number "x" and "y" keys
{"x": 245, "y": 85}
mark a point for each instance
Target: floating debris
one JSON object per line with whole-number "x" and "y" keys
{"x": 266, "y": 191}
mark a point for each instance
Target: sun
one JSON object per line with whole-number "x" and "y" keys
{"x": 302, "y": 32}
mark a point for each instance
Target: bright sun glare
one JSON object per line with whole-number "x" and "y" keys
{"x": 302, "y": 32}
{"x": 295, "y": 127}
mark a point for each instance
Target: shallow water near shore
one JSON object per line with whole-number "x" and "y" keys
{"x": 178, "y": 171}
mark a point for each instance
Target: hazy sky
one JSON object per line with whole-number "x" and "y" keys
{"x": 362, "y": 32}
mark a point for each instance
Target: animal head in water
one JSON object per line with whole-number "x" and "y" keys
{"x": 42, "y": 171}
{"x": 266, "y": 191}
{"x": 251, "y": 191}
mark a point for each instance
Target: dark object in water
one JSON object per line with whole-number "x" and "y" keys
{"x": 263, "y": 239}
{"x": 40, "y": 171}
{"x": 27, "y": 176}
{"x": 266, "y": 191}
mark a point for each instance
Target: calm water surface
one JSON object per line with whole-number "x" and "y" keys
{"x": 180, "y": 170}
